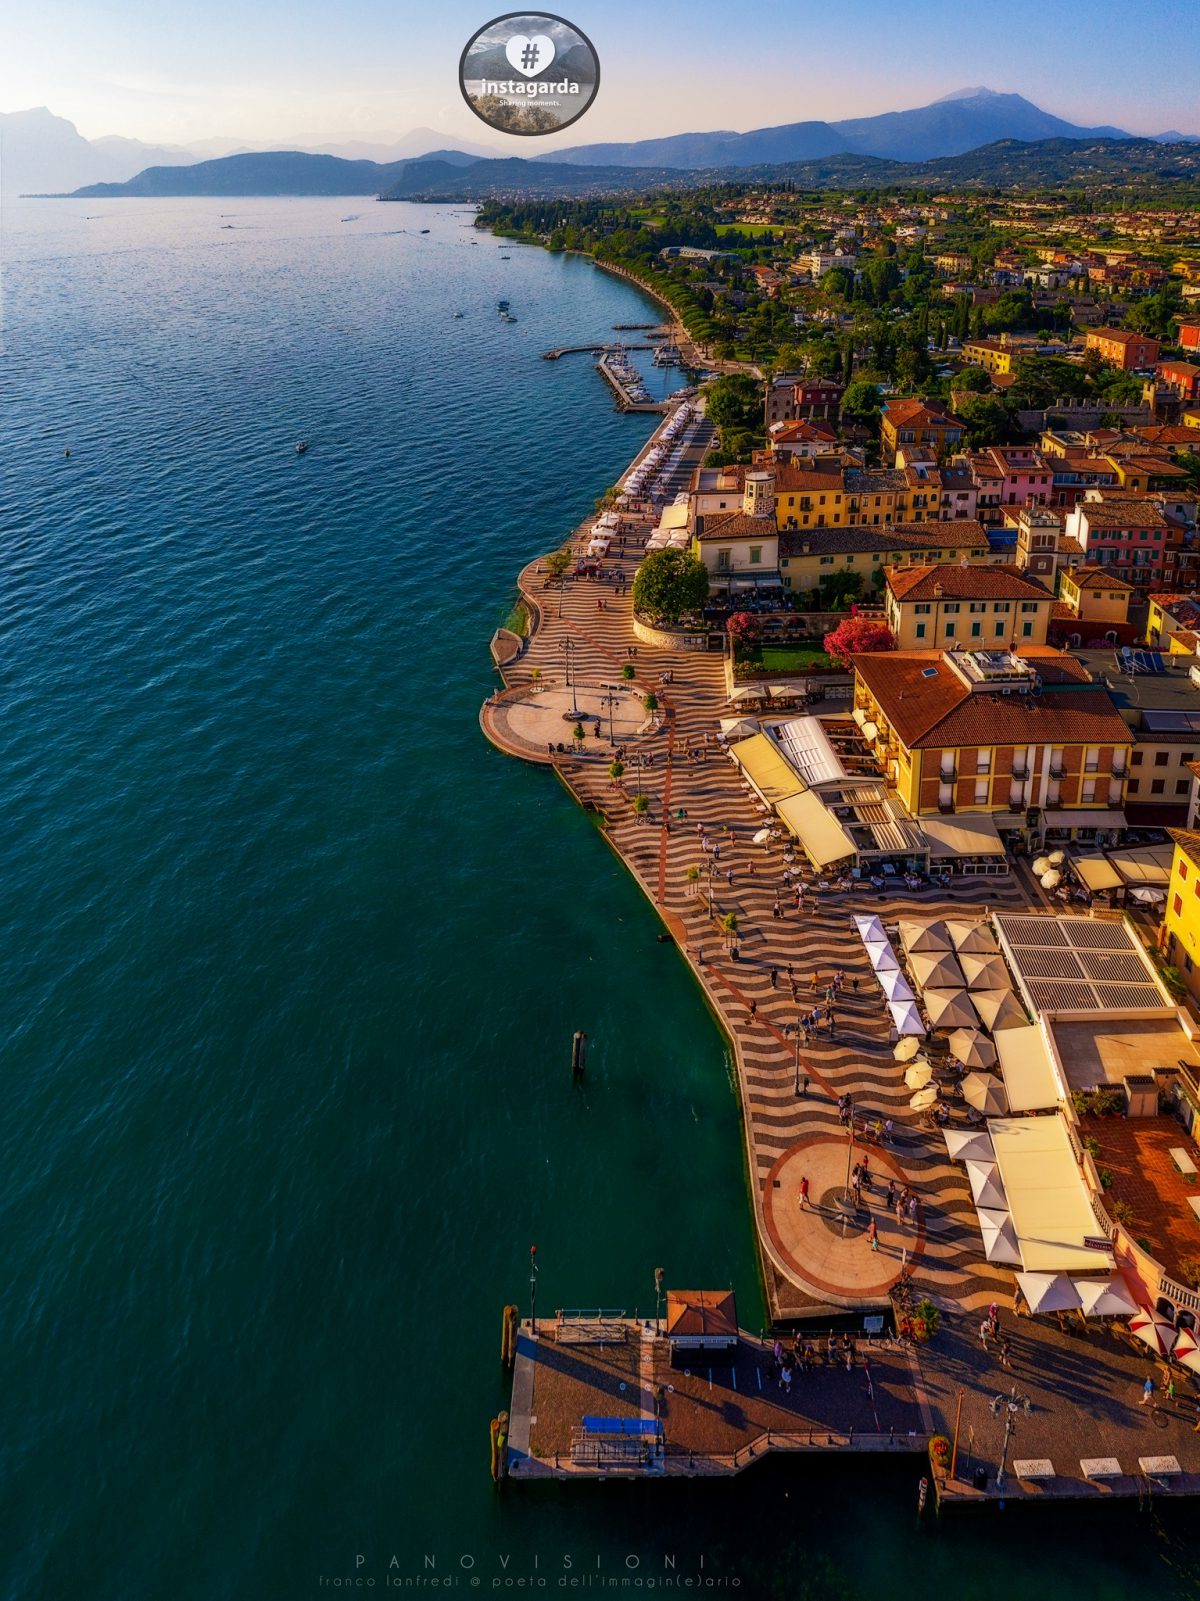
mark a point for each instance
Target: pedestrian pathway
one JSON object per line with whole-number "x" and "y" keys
{"x": 694, "y": 793}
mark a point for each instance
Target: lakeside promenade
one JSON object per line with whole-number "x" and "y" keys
{"x": 1084, "y": 1382}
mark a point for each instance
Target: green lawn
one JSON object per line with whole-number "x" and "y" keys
{"x": 784, "y": 659}
{"x": 750, "y": 230}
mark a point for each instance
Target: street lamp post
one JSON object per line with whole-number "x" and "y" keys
{"x": 1010, "y": 1405}
{"x": 797, "y": 1049}
{"x": 569, "y": 653}
{"x": 533, "y": 1289}
{"x": 658, "y": 1289}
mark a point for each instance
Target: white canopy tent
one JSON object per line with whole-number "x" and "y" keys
{"x": 983, "y": 972}
{"x": 948, "y": 1009}
{"x": 999, "y": 1237}
{"x": 883, "y": 958}
{"x": 870, "y": 930}
{"x": 935, "y": 970}
{"x": 895, "y": 986}
{"x": 987, "y": 1187}
{"x": 965, "y": 1145}
{"x": 1049, "y": 1292}
{"x": 906, "y": 1018}
{"x": 975, "y": 939}
{"x": 924, "y": 936}
{"x": 998, "y": 1009}
{"x": 1105, "y": 1297}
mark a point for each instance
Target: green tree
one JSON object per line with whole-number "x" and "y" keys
{"x": 650, "y": 702}
{"x": 616, "y": 771}
{"x": 668, "y": 584}
{"x": 986, "y": 421}
{"x": 837, "y": 588}
{"x": 629, "y": 672}
{"x": 641, "y": 806}
{"x": 735, "y": 402}
{"x": 973, "y": 379}
{"x": 862, "y": 403}
{"x": 557, "y": 563}
{"x": 730, "y": 925}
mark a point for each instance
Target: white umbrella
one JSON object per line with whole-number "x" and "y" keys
{"x": 968, "y": 1046}
{"x": 998, "y": 1009}
{"x": 895, "y": 986}
{"x": 739, "y": 727}
{"x": 1042, "y": 864}
{"x": 923, "y": 936}
{"x": 906, "y": 1050}
{"x": 1057, "y": 858}
{"x": 1153, "y": 1330}
{"x": 1148, "y": 895}
{"x": 987, "y": 1188}
{"x": 949, "y": 1009}
{"x": 984, "y": 972}
{"x": 974, "y": 939}
{"x": 871, "y": 931}
{"x": 763, "y": 837}
{"x": 967, "y": 1145}
{"x": 935, "y": 970}
{"x": 883, "y": 958}
{"x": 1105, "y": 1297}
{"x": 999, "y": 1237}
{"x": 1049, "y": 1292}
{"x": 906, "y": 1017}
{"x": 985, "y": 1094}
{"x": 1052, "y": 879}
{"x": 924, "y": 1099}
{"x": 746, "y": 692}
{"x": 918, "y": 1074}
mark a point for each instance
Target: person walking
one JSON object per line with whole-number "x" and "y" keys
{"x": 804, "y": 1087}
{"x": 985, "y": 1328}
{"x": 804, "y": 1194}
{"x": 1005, "y": 1353}
{"x": 753, "y": 1010}
{"x": 873, "y": 1235}
{"x": 774, "y": 978}
{"x": 1147, "y": 1391}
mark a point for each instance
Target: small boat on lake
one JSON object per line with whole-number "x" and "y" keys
{"x": 301, "y": 446}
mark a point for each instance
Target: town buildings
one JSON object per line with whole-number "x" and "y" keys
{"x": 977, "y": 608}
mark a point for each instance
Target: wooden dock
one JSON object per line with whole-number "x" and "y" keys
{"x": 574, "y": 350}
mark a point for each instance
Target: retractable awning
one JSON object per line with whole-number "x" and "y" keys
{"x": 1027, "y": 1070}
{"x": 824, "y": 839}
{"x": 1097, "y": 872}
{"x": 964, "y": 835}
{"x": 1114, "y": 818}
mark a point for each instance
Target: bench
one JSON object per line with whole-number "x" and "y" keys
{"x": 1100, "y": 1467}
{"x": 1159, "y": 1467}
{"x": 1182, "y": 1160}
{"x": 1038, "y": 1467}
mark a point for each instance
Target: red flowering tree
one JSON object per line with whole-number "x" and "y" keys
{"x": 857, "y": 636}
{"x": 743, "y": 627}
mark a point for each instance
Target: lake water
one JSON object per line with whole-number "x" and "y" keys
{"x": 291, "y": 958}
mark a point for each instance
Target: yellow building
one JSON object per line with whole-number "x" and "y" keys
{"x": 912, "y": 422}
{"x": 1027, "y": 737}
{"x": 1168, "y": 615}
{"x": 1095, "y": 596}
{"x": 743, "y": 541}
{"x": 977, "y": 608}
{"x": 1179, "y": 937}
{"x": 808, "y": 555}
{"x": 992, "y": 355}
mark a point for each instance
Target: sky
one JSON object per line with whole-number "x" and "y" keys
{"x": 273, "y": 71}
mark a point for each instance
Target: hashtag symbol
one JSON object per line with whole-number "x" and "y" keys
{"x": 529, "y": 56}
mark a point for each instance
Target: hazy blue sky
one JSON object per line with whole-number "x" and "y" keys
{"x": 272, "y": 70}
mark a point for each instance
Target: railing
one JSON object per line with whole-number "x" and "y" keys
{"x": 601, "y": 1327}
{"x": 1057, "y": 771}
{"x": 1020, "y": 774}
{"x": 815, "y": 1439}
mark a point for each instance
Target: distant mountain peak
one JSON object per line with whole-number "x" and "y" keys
{"x": 980, "y": 93}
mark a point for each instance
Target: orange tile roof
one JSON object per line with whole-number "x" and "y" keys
{"x": 953, "y": 581}
{"x": 1097, "y": 575}
{"x": 930, "y": 707}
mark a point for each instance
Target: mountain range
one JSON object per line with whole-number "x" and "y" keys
{"x": 41, "y": 153}
{"x": 452, "y": 175}
{"x": 958, "y": 122}
{"x": 879, "y": 149}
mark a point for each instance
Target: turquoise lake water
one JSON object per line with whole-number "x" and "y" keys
{"x": 291, "y": 958}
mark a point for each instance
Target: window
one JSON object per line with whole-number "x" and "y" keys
{"x": 723, "y": 561}
{"x": 920, "y": 631}
{"x": 1156, "y": 788}
{"x": 826, "y": 561}
{"x": 1181, "y": 787}
{"x": 1161, "y": 758}
{"x": 1177, "y": 905}
{"x": 1026, "y": 630}
{"x": 1088, "y": 792}
{"x": 1137, "y": 758}
{"x": 1182, "y": 869}
{"x": 976, "y": 630}
{"x": 755, "y": 555}
{"x": 950, "y": 627}
{"x": 981, "y": 791}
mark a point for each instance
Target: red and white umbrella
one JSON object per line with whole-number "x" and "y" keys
{"x": 1186, "y": 1350}
{"x": 1153, "y": 1330}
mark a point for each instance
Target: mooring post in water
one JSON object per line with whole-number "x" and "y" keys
{"x": 578, "y": 1053}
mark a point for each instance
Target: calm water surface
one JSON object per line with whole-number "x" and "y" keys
{"x": 291, "y": 959}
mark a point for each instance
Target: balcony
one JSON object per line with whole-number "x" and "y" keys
{"x": 1057, "y": 771}
{"x": 948, "y": 775}
{"x": 1020, "y": 773}
{"x": 945, "y": 807}
{"x": 1121, "y": 772}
